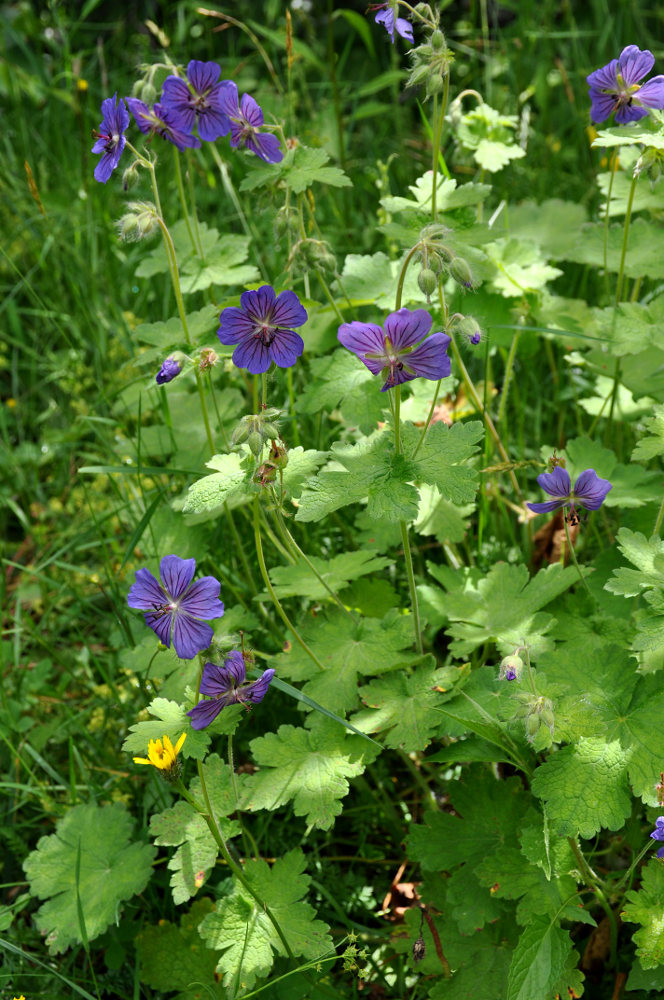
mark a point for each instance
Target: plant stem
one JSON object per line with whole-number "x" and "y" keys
{"x": 405, "y": 541}
{"x": 438, "y": 132}
{"x": 574, "y": 559}
{"x": 508, "y": 377}
{"x": 268, "y": 583}
{"x": 660, "y": 517}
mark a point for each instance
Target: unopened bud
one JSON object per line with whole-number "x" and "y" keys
{"x": 208, "y": 359}
{"x": 434, "y": 85}
{"x": 460, "y": 271}
{"x": 438, "y": 40}
{"x": 427, "y": 281}
{"x": 130, "y": 177}
{"x": 255, "y": 442}
{"x": 532, "y": 726}
{"x": 141, "y": 220}
{"x": 510, "y": 668}
{"x": 170, "y": 368}
{"x": 469, "y": 328}
{"x": 286, "y": 221}
{"x": 418, "y": 75}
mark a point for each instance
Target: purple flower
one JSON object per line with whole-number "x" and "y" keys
{"x": 169, "y": 369}
{"x": 589, "y": 491}
{"x": 615, "y": 87}
{"x": 201, "y": 102}
{"x": 658, "y": 834}
{"x": 178, "y": 605}
{"x": 392, "y": 353}
{"x": 246, "y": 117}
{"x": 227, "y": 685}
{"x": 262, "y": 327}
{"x": 164, "y": 121}
{"x": 386, "y": 16}
{"x": 110, "y": 139}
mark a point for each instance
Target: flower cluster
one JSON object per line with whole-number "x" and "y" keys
{"x": 615, "y": 87}
{"x": 203, "y": 101}
{"x": 227, "y": 685}
{"x": 589, "y": 492}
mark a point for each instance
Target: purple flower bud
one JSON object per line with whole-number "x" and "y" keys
{"x": 658, "y": 834}
{"x": 170, "y": 368}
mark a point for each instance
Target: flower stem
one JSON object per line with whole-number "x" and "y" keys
{"x": 438, "y": 132}
{"x": 508, "y": 377}
{"x": 268, "y": 583}
{"x": 405, "y": 541}
{"x": 183, "y": 200}
{"x": 660, "y": 517}
{"x": 574, "y": 559}
{"x": 427, "y": 423}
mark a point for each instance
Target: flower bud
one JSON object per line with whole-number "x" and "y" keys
{"x": 208, "y": 359}
{"x": 141, "y": 220}
{"x": 170, "y": 368}
{"x": 532, "y": 726}
{"x": 438, "y": 40}
{"x": 287, "y": 221}
{"x": 418, "y": 74}
{"x": 130, "y": 177}
{"x": 434, "y": 85}
{"x": 427, "y": 281}
{"x": 255, "y": 442}
{"x": 469, "y": 328}
{"x": 460, "y": 271}
{"x": 145, "y": 91}
{"x": 510, "y": 668}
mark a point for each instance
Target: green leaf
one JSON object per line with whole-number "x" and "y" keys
{"x": 404, "y": 704}
{"x": 230, "y": 484}
{"x": 300, "y": 168}
{"x": 166, "y": 335}
{"x": 86, "y": 869}
{"x": 493, "y": 156}
{"x": 502, "y": 606}
{"x": 338, "y": 378}
{"x": 368, "y": 278}
{"x": 631, "y": 327}
{"x": 242, "y": 930}
{"x": 585, "y": 787}
{"x": 520, "y": 266}
{"x": 640, "y": 979}
{"x": 369, "y": 647}
{"x": 634, "y": 728}
{"x": 172, "y": 721}
{"x": 645, "y": 907}
{"x": 183, "y": 827}
{"x": 221, "y": 263}
{"x": 547, "y": 224}
{"x": 652, "y": 445}
{"x": 309, "y": 768}
{"x": 448, "y": 195}
{"x": 441, "y": 461}
{"x": 587, "y": 247}
{"x": 172, "y": 956}
{"x": 629, "y": 135}
{"x": 539, "y": 960}
{"x": 298, "y": 580}
{"x": 647, "y": 555}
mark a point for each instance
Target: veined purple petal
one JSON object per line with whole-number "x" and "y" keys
{"x": 190, "y": 636}
{"x": 601, "y": 105}
{"x": 406, "y": 327}
{"x": 141, "y": 112}
{"x": 258, "y": 303}
{"x": 257, "y": 691}
{"x": 590, "y": 491}
{"x": 556, "y": 483}
{"x": 253, "y": 355}
{"x": 386, "y": 18}
{"x": 234, "y": 325}
{"x": 108, "y": 162}
{"x": 203, "y": 75}
{"x": 204, "y": 713}
{"x": 364, "y": 338}
{"x": 286, "y": 348}
{"x": 234, "y": 663}
{"x": 430, "y": 359}
{"x": 633, "y": 64}
{"x": 176, "y": 574}
{"x": 288, "y": 311}
{"x": 161, "y": 624}
{"x": 229, "y": 101}
{"x": 397, "y": 377}
{"x": 546, "y": 508}
{"x": 202, "y": 599}
{"x": 266, "y": 146}
{"x": 627, "y": 113}
{"x": 605, "y": 78}
{"x": 251, "y": 111}
{"x": 212, "y": 124}
{"x": 176, "y": 95}
{"x": 404, "y": 28}
{"x": 651, "y": 94}
{"x": 147, "y": 593}
{"x": 216, "y": 680}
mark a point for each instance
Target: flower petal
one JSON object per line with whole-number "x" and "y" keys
{"x": 364, "y": 338}
{"x": 286, "y": 348}
{"x": 651, "y": 94}
{"x": 190, "y": 636}
{"x": 212, "y": 124}
{"x": 430, "y": 359}
{"x": 406, "y": 327}
{"x": 228, "y": 100}
{"x": 203, "y": 75}
{"x": 204, "y": 713}
{"x": 147, "y": 593}
{"x": 556, "y": 483}
{"x": 202, "y": 599}
{"x": 627, "y": 113}
{"x": 252, "y": 354}
{"x": 266, "y": 146}
{"x": 605, "y": 78}
{"x": 161, "y": 625}
{"x": 234, "y": 325}
{"x": 259, "y": 303}
{"x": 257, "y": 691}
{"x": 251, "y": 111}
{"x": 234, "y": 663}
{"x": 546, "y": 508}
{"x": 405, "y": 29}
{"x": 386, "y": 18}
{"x": 216, "y": 680}
{"x": 601, "y": 105}
{"x": 590, "y": 491}
{"x": 176, "y": 574}
{"x": 633, "y": 64}
{"x": 288, "y": 311}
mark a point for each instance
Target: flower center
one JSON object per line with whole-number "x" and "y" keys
{"x": 265, "y": 333}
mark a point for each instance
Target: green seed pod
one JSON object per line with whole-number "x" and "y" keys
{"x": 532, "y": 726}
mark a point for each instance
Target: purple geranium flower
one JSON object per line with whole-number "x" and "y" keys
{"x": 201, "y": 102}
{"x": 178, "y": 605}
{"x": 615, "y": 87}
{"x": 589, "y": 491}
{"x": 164, "y": 121}
{"x": 392, "y": 352}
{"x": 168, "y": 371}
{"x": 227, "y": 685}
{"x": 246, "y": 117}
{"x": 110, "y": 139}
{"x": 658, "y": 834}
{"x": 262, "y": 327}
{"x": 387, "y": 17}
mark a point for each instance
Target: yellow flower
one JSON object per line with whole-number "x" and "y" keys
{"x": 20, "y": 998}
{"x": 162, "y": 754}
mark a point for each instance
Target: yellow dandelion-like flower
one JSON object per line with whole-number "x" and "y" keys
{"x": 20, "y": 998}
{"x": 162, "y": 754}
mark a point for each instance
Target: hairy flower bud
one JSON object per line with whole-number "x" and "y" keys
{"x": 141, "y": 220}
{"x": 130, "y": 177}
{"x": 287, "y": 221}
{"x": 427, "y": 281}
{"x": 460, "y": 271}
{"x": 469, "y": 328}
{"x": 510, "y": 668}
{"x": 208, "y": 359}
{"x": 438, "y": 40}
{"x": 255, "y": 442}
